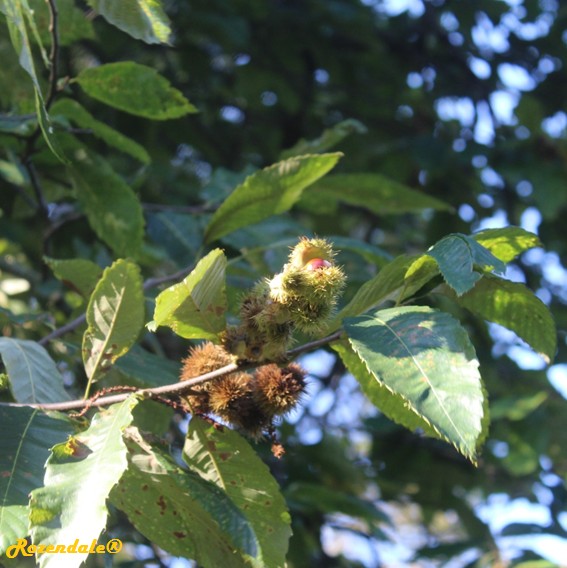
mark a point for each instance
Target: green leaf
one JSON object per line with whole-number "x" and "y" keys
{"x": 146, "y": 370}
{"x": 227, "y": 460}
{"x": 135, "y": 89}
{"x": 19, "y": 125}
{"x": 270, "y": 191}
{"x": 368, "y": 252}
{"x": 13, "y": 173}
{"x": 391, "y": 403}
{"x": 385, "y": 285}
{"x": 457, "y": 256}
{"x": 78, "y": 273}
{"x": 195, "y": 308}
{"x": 425, "y": 357}
{"x": 73, "y": 111}
{"x": 34, "y": 378}
{"x": 73, "y": 23}
{"x": 27, "y": 436}
{"x": 375, "y": 192}
{"x": 516, "y": 307}
{"x": 179, "y": 234}
{"x": 419, "y": 273}
{"x": 309, "y": 497}
{"x": 112, "y": 208}
{"x": 507, "y": 243}
{"x": 115, "y": 317}
{"x": 142, "y": 19}
{"x": 517, "y": 407}
{"x": 79, "y": 475}
{"x": 179, "y": 511}
{"x": 330, "y": 138}
{"x": 16, "y": 13}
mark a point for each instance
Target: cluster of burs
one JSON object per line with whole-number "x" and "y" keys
{"x": 301, "y": 297}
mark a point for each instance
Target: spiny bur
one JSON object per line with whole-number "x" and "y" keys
{"x": 250, "y": 402}
{"x": 203, "y": 359}
{"x": 302, "y": 296}
{"x": 278, "y": 390}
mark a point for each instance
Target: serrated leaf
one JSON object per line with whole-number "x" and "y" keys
{"x": 457, "y": 257}
{"x": 79, "y": 475}
{"x": 515, "y": 307}
{"x": 16, "y": 14}
{"x": 227, "y": 460}
{"x": 112, "y": 208}
{"x": 195, "y": 308}
{"x": 507, "y": 243}
{"x": 78, "y": 273}
{"x": 268, "y": 192}
{"x": 142, "y": 19}
{"x": 182, "y": 513}
{"x": 425, "y": 357}
{"x": 376, "y": 193}
{"x": 391, "y": 403}
{"x": 27, "y": 436}
{"x": 330, "y": 138}
{"x": 136, "y": 89}
{"x": 384, "y": 285}
{"x": 34, "y": 378}
{"x": 74, "y": 112}
{"x": 115, "y": 317}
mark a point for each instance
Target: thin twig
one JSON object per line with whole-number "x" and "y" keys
{"x": 158, "y": 280}
{"x": 68, "y": 327}
{"x": 172, "y": 389}
{"x": 36, "y": 186}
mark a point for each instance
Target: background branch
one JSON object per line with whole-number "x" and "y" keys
{"x": 80, "y": 320}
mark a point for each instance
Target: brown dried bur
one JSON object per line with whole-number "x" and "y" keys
{"x": 277, "y": 390}
{"x": 202, "y": 359}
{"x": 248, "y": 402}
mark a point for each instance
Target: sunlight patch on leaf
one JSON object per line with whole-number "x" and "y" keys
{"x": 195, "y": 308}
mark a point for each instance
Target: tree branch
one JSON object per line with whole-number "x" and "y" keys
{"x": 175, "y": 388}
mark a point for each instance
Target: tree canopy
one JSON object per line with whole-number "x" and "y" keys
{"x": 158, "y": 161}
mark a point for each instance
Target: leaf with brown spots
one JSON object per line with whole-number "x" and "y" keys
{"x": 227, "y": 460}
{"x": 179, "y": 511}
{"x": 75, "y": 491}
{"x": 115, "y": 317}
